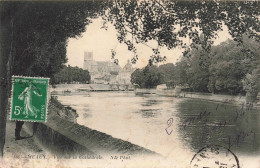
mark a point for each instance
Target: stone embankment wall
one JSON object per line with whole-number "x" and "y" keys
{"x": 55, "y": 142}
{"x": 64, "y": 137}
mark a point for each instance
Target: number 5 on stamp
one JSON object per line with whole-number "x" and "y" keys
{"x": 29, "y": 99}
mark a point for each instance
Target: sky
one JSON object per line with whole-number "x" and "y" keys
{"x": 101, "y": 41}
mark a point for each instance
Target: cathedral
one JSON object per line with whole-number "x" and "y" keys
{"x": 107, "y": 72}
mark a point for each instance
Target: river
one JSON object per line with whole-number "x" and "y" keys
{"x": 169, "y": 125}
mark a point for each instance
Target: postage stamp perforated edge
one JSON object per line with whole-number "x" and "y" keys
{"x": 47, "y": 98}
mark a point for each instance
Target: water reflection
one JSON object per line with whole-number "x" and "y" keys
{"x": 139, "y": 119}
{"x": 206, "y": 123}
{"x": 149, "y": 113}
{"x": 151, "y": 102}
{"x": 142, "y": 120}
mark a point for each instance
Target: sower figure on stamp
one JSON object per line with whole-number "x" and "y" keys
{"x": 26, "y": 95}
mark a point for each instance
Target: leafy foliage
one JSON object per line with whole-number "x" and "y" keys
{"x": 181, "y": 72}
{"x": 167, "y": 71}
{"x": 251, "y": 84}
{"x": 220, "y": 71}
{"x": 137, "y": 77}
{"x": 39, "y": 32}
{"x": 171, "y": 22}
{"x": 148, "y": 77}
{"x": 70, "y": 74}
{"x": 228, "y": 68}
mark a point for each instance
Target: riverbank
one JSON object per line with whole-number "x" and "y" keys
{"x": 238, "y": 100}
{"x": 78, "y": 89}
{"x": 221, "y": 98}
{"x": 62, "y": 136}
{"x": 215, "y": 97}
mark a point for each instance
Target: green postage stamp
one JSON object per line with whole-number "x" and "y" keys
{"x": 29, "y": 99}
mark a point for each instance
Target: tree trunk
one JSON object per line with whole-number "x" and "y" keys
{"x": 5, "y": 74}
{"x": 3, "y": 89}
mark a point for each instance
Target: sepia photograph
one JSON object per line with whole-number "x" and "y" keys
{"x": 130, "y": 84}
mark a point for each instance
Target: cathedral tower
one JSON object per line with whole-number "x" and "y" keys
{"x": 88, "y": 60}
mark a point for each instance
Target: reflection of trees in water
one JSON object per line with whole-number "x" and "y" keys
{"x": 227, "y": 125}
{"x": 149, "y": 113}
{"x": 151, "y": 102}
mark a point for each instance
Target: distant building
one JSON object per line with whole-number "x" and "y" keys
{"x": 88, "y": 60}
{"x": 124, "y": 76}
{"x": 95, "y": 67}
{"x": 105, "y": 72}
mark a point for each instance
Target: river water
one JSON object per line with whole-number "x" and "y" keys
{"x": 168, "y": 125}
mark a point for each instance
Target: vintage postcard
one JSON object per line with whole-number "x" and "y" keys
{"x": 129, "y": 83}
